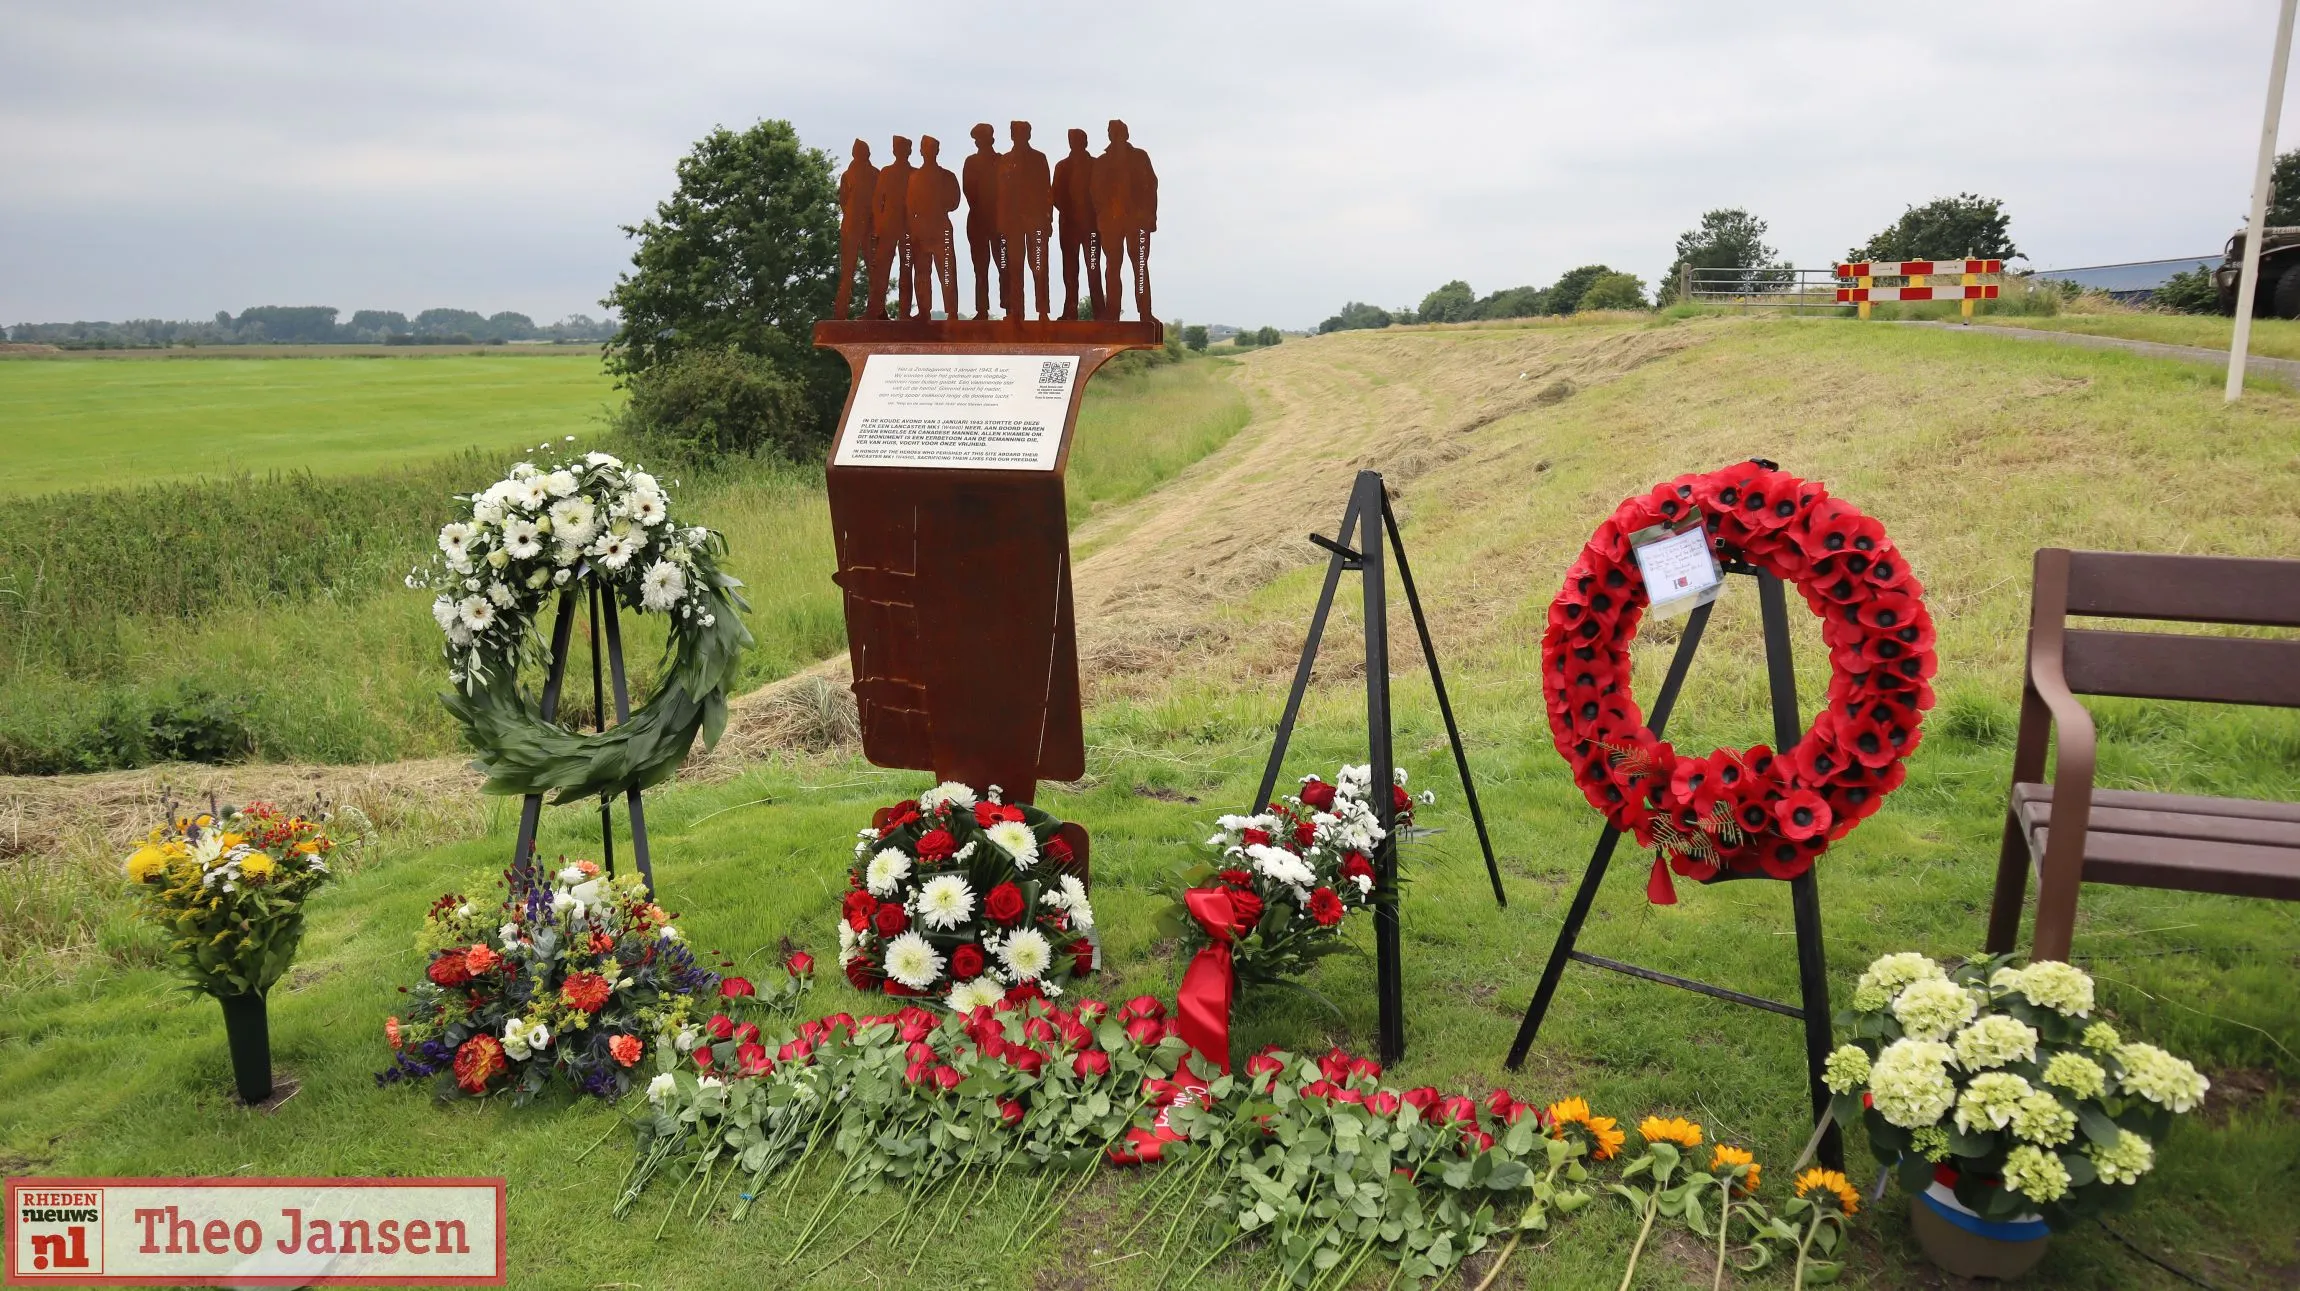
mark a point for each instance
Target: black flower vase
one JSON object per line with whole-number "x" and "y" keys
{"x": 248, "y": 1031}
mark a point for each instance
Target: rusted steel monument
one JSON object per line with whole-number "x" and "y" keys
{"x": 946, "y": 477}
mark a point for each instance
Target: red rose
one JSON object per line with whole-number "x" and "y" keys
{"x": 1040, "y": 1030}
{"x": 1003, "y": 904}
{"x": 800, "y": 965}
{"x": 862, "y": 974}
{"x": 746, "y": 1033}
{"x": 479, "y": 1060}
{"x": 1255, "y": 838}
{"x": 1019, "y": 994}
{"x": 1081, "y": 957}
{"x": 1091, "y": 1012}
{"x": 914, "y": 1023}
{"x": 735, "y": 988}
{"x": 1143, "y": 1006}
{"x": 720, "y": 1026}
{"x": 1057, "y": 848}
{"x": 859, "y": 906}
{"x": 936, "y": 845}
{"x": 480, "y": 959}
{"x": 1459, "y": 1109}
{"x": 1335, "y": 1066}
{"x": 1383, "y": 1103}
{"x": 1145, "y": 1031}
{"x": 918, "y": 1072}
{"x": 452, "y": 968}
{"x": 1237, "y": 879}
{"x": 1356, "y": 866}
{"x": 799, "y": 1050}
{"x": 1317, "y": 794}
{"x": 1475, "y": 1140}
{"x": 752, "y": 1060}
{"x": 1305, "y": 833}
{"x": 625, "y": 1049}
{"x": 1320, "y": 1089}
{"x": 1009, "y": 1111}
{"x": 1266, "y": 1062}
{"x": 1365, "y": 1068}
{"x": 585, "y": 991}
{"x": 1025, "y": 1059}
{"x": 702, "y": 1057}
{"x": 946, "y": 1078}
{"x": 1422, "y": 1099}
{"x": 1092, "y": 1062}
{"x": 1503, "y": 1107}
{"x": 966, "y": 962}
{"x": 891, "y": 918}
{"x": 1401, "y": 801}
{"x": 1326, "y": 907}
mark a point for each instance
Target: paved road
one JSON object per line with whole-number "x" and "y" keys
{"x": 2285, "y": 370}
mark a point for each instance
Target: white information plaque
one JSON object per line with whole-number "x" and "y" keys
{"x": 1679, "y": 568}
{"x": 986, "y": 412}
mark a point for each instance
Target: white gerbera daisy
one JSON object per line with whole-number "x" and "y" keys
{"x": 664, "y": 586}
{"x": 476, "y": 613}
{"x": 573, "y": 520}
{"x": 981, "y": 993}
{"x": 945, "y": 901}
{"x": 911, "y": 960}
{"x": 615, "y": 550}
{"x": 950, "y": 791}
{"x": 533, "y": 494}
{"x": 455, "y": 541}
{"x": 1026, "y": 954}
{"x": 523, "y": 539}
{"x": 1019, "y": 842}
{"x": 559, "y": 483}
{"x": 646, "y": 508}
{"x": 886, "y": 871}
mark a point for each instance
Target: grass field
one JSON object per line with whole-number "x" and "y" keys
{"x": 1505, "y": 447}
{"x": 2276, "y": 338}
{"x": 95, "y": 423}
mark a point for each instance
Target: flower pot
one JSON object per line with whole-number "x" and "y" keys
{"x": 1969, "y": 1246}
{"x": 248, "y": 1031}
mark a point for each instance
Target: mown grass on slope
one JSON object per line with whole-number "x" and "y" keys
{"x": 1971, "y": 452}
{"x": 2276, "y": 338}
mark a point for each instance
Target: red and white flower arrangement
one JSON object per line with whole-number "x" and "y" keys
{"x": 965, "y": 898}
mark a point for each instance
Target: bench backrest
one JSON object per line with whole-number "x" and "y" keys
{"x": 2172, "y": 589}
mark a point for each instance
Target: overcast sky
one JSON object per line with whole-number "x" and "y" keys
{"x": 172, "y": 160}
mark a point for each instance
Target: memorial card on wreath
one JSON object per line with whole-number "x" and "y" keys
{"x": 996, "y": 412}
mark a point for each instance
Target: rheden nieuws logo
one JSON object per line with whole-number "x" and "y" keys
{"x": 255, "y": 1232}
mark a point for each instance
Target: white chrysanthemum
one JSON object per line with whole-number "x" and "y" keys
{"x": 1910, "y": 1082}
{"x": 1994, "y": 1041}
{"x": 455, "y": 541}
{"x": 911, "y": 960}
{"x": 1019, "y": 842}
{"x": 2160, "y": 1078}
{"x": 641, "y": 482}
{"x": 502, "y": 595}
{"x": 1846, "y": 1070}
{"x": 523, "y": 539}
{"x": 1990, "y": 1101}
{"x": 1883, "y": 980}
{"x": 2042, "y": 1118}
{"x": 443, "y": 612}
{"x": 888, "y": 868}
{"x": 2048, "y": 983}
{"x": 848, "y": 939}
{"x": 981, "y": 993}
{"x": 945, "y": 902}
{"x": 475, "y": 613}
{"x": 563, "y": 555}
{"x": 1282, "y": 865}
{"x": 646, "y": 508}
{"x": 664, "y": 586}
{"x": 2036, "y": 1174}
{"x": 573, "y": 519}
{"x": 660, "y": 1088}
{"x": 601, "y": 459}
{"x": 950, "y": 791}
{"x": 1072, "y": 898}
{"x": 2077, "y": 1074}
{"x": 615, "y": 550}
{"x": 1027, "y": 954}
{"x": 559, "y": 483}
{"x": 1931, "y": 1008}
{"x": 2130, "y": 1157}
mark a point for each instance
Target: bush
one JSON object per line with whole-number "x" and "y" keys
{"x": 1613, "y": 291}
{"x": 2188, "y": 293}
{"x": 1194, "y": 336}
{"x": 1268, "y": 336}
{"x": 705, "y": 405}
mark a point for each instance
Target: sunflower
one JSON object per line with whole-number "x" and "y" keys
{"x": 1726, "y": 1157}
{"x": 1833, "y": 1182}
{"x": 1676, "y": 1129}
{"x": 1604, "y": 1139}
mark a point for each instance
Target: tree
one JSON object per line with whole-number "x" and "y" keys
{"x": 292, "y": 324}
{"x": 1945, "y": 228}
{"x": 741, "y": 256}
{"x": 378, "y": 322}
{"x": 1356, "y": 316}
{"x": 1247, "y": 338}
{"x": 1613, "y": 291}
{"x": 713, "y": 402}
{"x": 1516, "y": 302}
{"x": 1730, "y": 238}
{"x": 1268, "y": 336}
{"x": 1194, "y": 336}
{"x": 1565, "y": 294}
{"x": 1452, "y": 303}
{"x": 2284, "y": 190}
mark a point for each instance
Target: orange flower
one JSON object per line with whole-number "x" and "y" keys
{"x": 1830, "y": 1181}
{"x": 391, "y": 1031}
{"x": 480, "y": 958}
{"x": 1604, "y": 1139}
{"x": 585, "y": 991}
{"x": 625, "y": 1049}
{"x": 1676, "y": 1129}
{"x": 479, "y": 1060}
{"x": 1725, "y": 1158}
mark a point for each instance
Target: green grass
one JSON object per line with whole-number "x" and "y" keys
{"x": 93, "y": 423}
{"x": 2276, "y": 338}
{"x": 1972, "y": 450}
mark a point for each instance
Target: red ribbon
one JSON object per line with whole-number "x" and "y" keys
{"x": 1147, "y": 1147}
{"x": 1658, "y": 889}
{"x": 1202, "y": 1007}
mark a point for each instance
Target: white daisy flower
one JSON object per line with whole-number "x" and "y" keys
{"x": 945, "y": 902}
{"x": 601, "y": 459}
{"x": 950, "y": 791}
{"x": 559, "y": 483}
{"x": 533, "y": 495}
{"x": 1027, "y": 954}
{"x": 887, "y": 870}
{"x": 476, "y": 613}
{"x": 573, "y": 520}
{"x": 981, "y": 993}
{"x": 664, "y": 586}
{"x": 455, "y": 541}
{"x": 1019, "y": 842}
{"x": 911, "y": 960}
{"x": 615, "y": 550}
{"x": 523, "y": 538}
{"x": 646, "y": 508}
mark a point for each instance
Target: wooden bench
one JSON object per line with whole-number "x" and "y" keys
{"x": 2073, "y": 834}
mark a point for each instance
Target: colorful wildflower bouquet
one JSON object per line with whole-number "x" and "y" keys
{"x": 229, "y": 889}
{"x": 1992, "y": 1081}
{"x": 1293, "y": 873}
{"x": 572, "y": 974}
{"x": 961, "y": 898}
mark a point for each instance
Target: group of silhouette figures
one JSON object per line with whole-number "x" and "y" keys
{"x": 896, "y": 220}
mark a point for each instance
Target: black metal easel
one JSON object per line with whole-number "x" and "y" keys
{"x": 1804, "y": 896}
{"x": 562, "y": 633}
{"x": 1366, "y": 523}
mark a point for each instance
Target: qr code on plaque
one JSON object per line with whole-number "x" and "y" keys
{"x": 1053, "y": 372}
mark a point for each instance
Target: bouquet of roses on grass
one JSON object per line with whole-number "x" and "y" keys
{"x": 1993, "y": 1081}
{"x": 1293, "y": 872}
{"x": 961, "y": 898}
{"x": 229, "y": 889}
{"x": 572, "y": 974}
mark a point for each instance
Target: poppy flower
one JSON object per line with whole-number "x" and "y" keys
{"x": 1801, "y": 815}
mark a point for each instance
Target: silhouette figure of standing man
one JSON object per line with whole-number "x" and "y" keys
{"x": 1025, "y": 216}
{"x": 981, "y": 175}
{"x": 933, "y": 196}
{"x": 855, "y": 220}
{"x": 889, "y": 227}
{"x": 1074, "y": 207}
{"x": 1125, "y": 191}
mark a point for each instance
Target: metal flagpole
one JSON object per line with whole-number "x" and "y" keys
{"x": 2248, "y": 286}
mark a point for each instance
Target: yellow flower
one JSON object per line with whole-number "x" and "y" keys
{"x": 229, "y": 841}
{"x": 1605, "y": 1140}
{"x": 1725, "y": 1158}
{"x": 258, "y": 867}
{"x": 146, "y": 863}
{"x": 1833, "y": 1182}
{"x": 1675, "y": 1130}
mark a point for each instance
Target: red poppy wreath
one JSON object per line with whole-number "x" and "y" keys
{"x": 1747, "y": 811}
